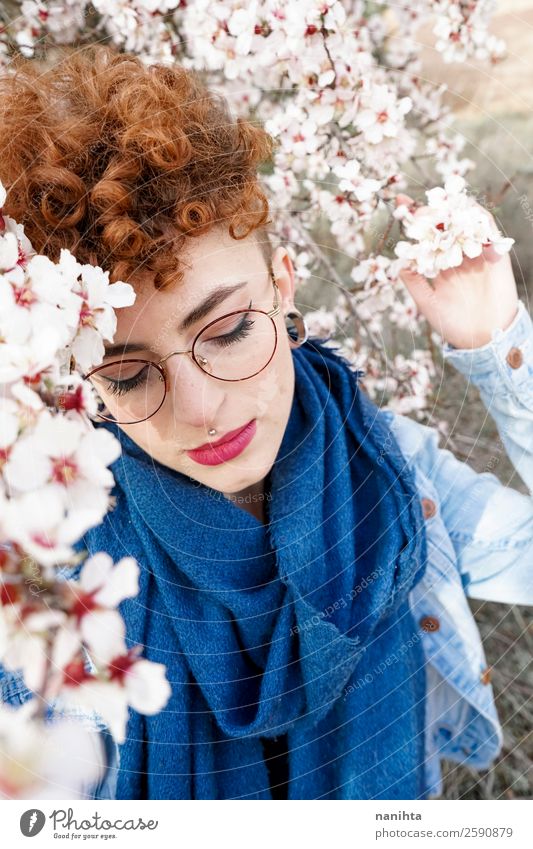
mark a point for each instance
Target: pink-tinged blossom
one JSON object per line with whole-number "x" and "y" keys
{"x": 97, "y": 300}
{"x": 9, "y": 424}
{"x": 45, "y": 526}
{"x": 381, "y": 114}
{"x": 123, "y": 677}
{"x": 41, "y": 297}
{"x": 26, "y": 359}
{"x": 95, "y": 596}
{"x": 9, "y": 251}
{"x": 353, "y": 181}
{"x": 62, "y": 453}
{"x": 449, "y": 228}
{"x": 75, "y": 396}
{"x": 27, "y": 645}
{"x": 130, "y": 681}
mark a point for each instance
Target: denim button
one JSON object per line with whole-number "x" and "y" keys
{"x": 429, "y": 508}
{"x": 429, "y": 623}
{"x": 486, "y": 675}
{"x": 514, "y": 357}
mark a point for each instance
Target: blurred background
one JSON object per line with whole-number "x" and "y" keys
{"x": 492, "y": 108}
{"x": 494, "y": 112}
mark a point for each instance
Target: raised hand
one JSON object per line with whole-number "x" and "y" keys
{"x": 465, "y": 304}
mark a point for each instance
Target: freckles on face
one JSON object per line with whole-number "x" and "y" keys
{"x": 267, "y": 398}
{"x": 195, "y": 401}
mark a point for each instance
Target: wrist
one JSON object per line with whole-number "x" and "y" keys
{"x": 505, "y": 361}
{"x": 484, "y": 339}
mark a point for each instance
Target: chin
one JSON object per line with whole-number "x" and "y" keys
{"x": 243, "y": 480}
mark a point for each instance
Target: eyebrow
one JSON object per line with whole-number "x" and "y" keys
{"x": 200, "y": 311}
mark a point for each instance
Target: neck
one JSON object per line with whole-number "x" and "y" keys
{"x": 252, "y": 498}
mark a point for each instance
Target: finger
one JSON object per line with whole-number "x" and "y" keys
{"x": 403, "y": 199}
{"x": 490, "y": 253}
{"x": 486, "y": 211}
{"x": 417, "y": 285}
{"x": 493, "y": 226}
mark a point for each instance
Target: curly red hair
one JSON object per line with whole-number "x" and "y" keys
{"x": 120, "y": 162}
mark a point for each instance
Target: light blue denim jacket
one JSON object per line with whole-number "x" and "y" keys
{"x": 480, "y": 544}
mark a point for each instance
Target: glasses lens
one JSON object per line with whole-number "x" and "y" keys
{"x": 233, "y": 348}
{"x": 130, "y": 390}
{"x": 236, "y": 346}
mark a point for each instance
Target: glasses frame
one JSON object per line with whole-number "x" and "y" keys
{"x": 163, "y": 372}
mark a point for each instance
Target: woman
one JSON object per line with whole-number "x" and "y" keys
{"x": 304, "y": 556}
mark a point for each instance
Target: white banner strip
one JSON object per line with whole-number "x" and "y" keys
{"x": 277, "y": 825}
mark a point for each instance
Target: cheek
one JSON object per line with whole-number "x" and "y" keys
{"x": 147, "y": 437}
{"x": 273, "y": 388}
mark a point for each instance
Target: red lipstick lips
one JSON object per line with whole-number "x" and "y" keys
{"x": 225, "y": 448}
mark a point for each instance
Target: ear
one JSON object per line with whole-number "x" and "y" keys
{"x": 284, "y": 274}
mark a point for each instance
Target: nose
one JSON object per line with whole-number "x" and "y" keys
{"x": 193, "y": 397}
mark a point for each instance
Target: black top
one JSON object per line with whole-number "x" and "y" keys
{"x": 277, "y": 762}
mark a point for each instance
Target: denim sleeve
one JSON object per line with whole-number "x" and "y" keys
{"x": 502, "y": 370}
{"x": 489, "y": 524}
{"x": 495, "y": 545}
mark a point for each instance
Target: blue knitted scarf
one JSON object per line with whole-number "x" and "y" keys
{"x": 301, "y": 625}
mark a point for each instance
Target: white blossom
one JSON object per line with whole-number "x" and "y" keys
{"x": 38, "y": 760}
{"x": 381, "y": 113}
{"x": 133, "y": 681}
{"x": 452, "y": 226}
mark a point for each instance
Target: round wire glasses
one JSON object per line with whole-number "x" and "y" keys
{"x": 236, "y": 346}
